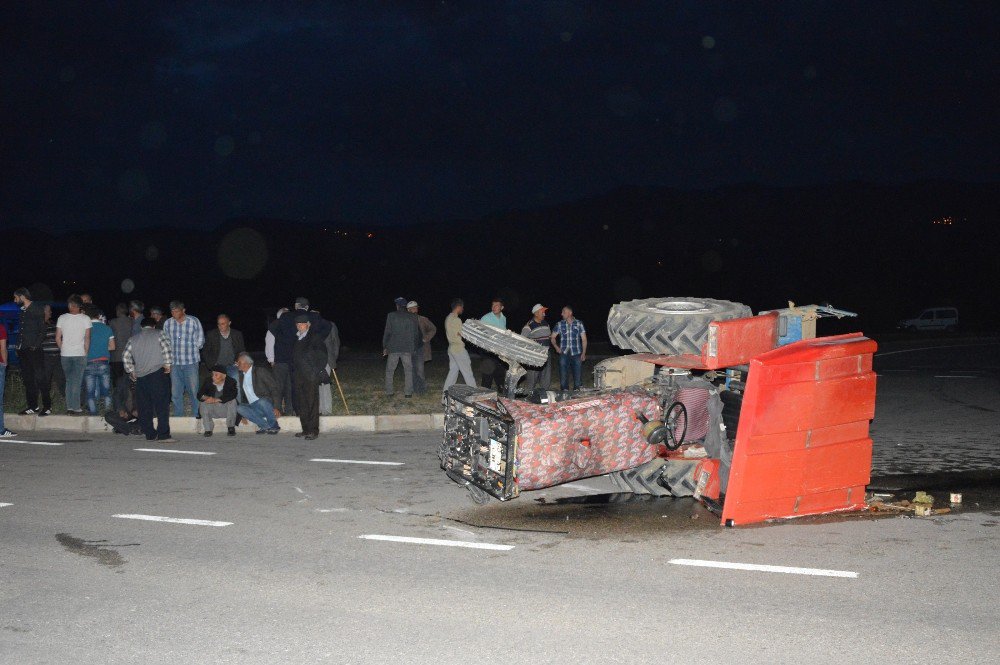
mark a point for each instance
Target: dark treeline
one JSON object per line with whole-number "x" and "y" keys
{"x": 871, "y": 248}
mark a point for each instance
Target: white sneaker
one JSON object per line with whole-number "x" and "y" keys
{"x": 7, "y": 434}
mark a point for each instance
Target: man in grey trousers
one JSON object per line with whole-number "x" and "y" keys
{"x": 399, "y": 344}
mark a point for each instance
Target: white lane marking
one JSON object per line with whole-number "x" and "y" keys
{"x": 764, "y": 568}
{"x": 955, "y": 376}
{"x": 33, "y": 443}
{"x": 437, "y": 541}
{"x": 4, "y": 505}
{"x": 331, "y": 510}
{"x": 583, "y": 488}
{"x": 169, "y": 450}
{"x": 173, "y": 520}
{"x": 356, "y": 461}
{"x": 881, "y": 354}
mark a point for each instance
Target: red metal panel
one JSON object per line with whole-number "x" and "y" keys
{"x": 802, "y": 446}
{"x": 731, "y": 343}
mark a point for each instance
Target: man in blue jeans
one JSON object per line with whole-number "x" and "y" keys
{"x": 4, "y": 432}
{"x": 97, "y": 375}
{"x": 186, "y": 339}
{"x": 571, "y": 347}
{"x": 258, "y": 392}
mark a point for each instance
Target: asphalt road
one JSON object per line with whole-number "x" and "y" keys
{"x": 287, "y": 576}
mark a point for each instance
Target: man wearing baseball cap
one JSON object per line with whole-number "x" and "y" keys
{"x": 423, "y": 352}
{"x": 538, "y": 329}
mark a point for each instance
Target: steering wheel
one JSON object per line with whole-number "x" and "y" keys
{"x": 676, "y": 412}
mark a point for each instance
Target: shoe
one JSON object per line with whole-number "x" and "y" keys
{"x": 300, "y": 434}
{"x": 274, "y": 430}
{"x": 7, "y": 434}
{"x": 150, "y": 438}
{"x": 230, "y": 431}
{"x": 208, "y": 433}
{"x": 44, "y": 412}
{"x": 261, "y": 431}
{"x": 167, "y": 440}
{"x": 311, "y": 437}
{"x": 28, "y": 412}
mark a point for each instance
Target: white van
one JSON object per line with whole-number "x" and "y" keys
{"x": 944, "y": 319}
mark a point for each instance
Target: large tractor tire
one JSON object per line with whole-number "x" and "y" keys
{"x": 669, "y": 326}
{"x": 504, "y": 343}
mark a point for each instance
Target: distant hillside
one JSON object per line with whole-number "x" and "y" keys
{"x": 872, "y": 248}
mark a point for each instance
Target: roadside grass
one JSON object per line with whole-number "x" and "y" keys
{"x": 363, "y": 381}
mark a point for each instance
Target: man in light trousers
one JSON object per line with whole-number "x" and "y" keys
{"x": 458, "y": 357}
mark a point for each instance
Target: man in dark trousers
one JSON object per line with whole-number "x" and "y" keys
{"x": 309, "y": 371}
{"x": 29, "y": 349}
{"x": 147, "y": 361}
{"x": 223, "y": 346}
{"x": 284, "y": 331}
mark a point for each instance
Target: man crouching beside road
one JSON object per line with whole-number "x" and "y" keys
{"x": 259, "y": 393}
{"x": 217, "y": 399}
{"x": 147, "y": 360}
{"x": 309, "y": 370}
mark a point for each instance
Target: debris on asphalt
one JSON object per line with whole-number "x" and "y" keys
{"x": 922, "y": 504}
{"x": 956, "y": 498}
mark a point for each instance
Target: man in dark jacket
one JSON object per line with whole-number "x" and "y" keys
{"x": 399, "y": 343}
{"x": 223, "y": 346}
{"x": 29, "y": 349}
{"x": 258, "y": 394}
{"x": 284, "y": 331}
{"x": 217, "y": 399}
{"x": 309, "y": 371}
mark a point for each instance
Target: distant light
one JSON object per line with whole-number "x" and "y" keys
{"x": 371, "y": 235}
{"x": 708, "y": 42}
{"x": 605, "y": 227}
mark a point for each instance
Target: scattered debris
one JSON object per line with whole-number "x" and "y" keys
{"x": 922, "y": 504}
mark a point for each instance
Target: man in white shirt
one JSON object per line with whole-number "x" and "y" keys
{"x": 73, "y": 339}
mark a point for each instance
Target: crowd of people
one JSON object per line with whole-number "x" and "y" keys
{"x": 133, "y": 367}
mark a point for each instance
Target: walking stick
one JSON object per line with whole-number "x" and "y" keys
{"x": 341, "y": 391}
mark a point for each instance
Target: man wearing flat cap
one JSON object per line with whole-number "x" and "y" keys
{"x": 309, "y": 371}
{"x": 217, "y": 399}
{"x": 284, "y": 331}
{"x": 400, "y": 342}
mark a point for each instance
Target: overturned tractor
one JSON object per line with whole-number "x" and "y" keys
{"x": 753, "y": 415}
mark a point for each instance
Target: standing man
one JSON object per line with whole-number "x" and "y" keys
{"x": 571, "y": 347}
{"x": 309, "y": 370}
{"x": 217, "y": 397}
{"x": 4, "y": 432}
{"x": 423, "y": 353}
{"x": 121, "y": 328}
{"x": 147, "y": 361}
{"x": 538, "y": 329}
{"x": 97, "y": 375}
{"x": 223, "y": 345}
{"x": 258, "y": 392}
{"x": 29, "y": 349}
{"x": 458, "y": 357}
{"x": 491, "y": 368}
{"x": 186, "y": 339}
{"x": 73, "y": 339}
{"x": 285, "y": 334}
{"x": 156, "y": 312}
{"x": 136, "y": 310}
{"x": 399, "y": 342}
{"x": 283, "y": 399}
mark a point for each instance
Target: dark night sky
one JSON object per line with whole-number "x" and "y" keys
{"x": 131, "y": 113}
